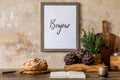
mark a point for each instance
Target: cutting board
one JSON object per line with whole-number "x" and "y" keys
{"x": 111, "y": 44}
{"x": 111, "y": 40}
{"x": 82, "y": 67}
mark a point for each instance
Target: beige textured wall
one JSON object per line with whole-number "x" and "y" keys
{"x": 20, "y": 28}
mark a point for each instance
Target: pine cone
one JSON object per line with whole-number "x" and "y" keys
{"x": 87, "y": 59}
{"x": 79, "y": 54}
{"x": 70, "y": 58}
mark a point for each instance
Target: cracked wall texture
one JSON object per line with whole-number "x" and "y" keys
{"x": 20, "y": 28}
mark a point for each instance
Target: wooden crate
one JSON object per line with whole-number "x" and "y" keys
{"x": 115, "y": 62}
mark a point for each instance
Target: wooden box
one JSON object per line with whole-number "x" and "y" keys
{"x": 115, "y": 62}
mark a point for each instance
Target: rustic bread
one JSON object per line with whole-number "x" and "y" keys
{"x": 35, "y": 64}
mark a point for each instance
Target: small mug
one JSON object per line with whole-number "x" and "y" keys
{"x": 103, "y": 71}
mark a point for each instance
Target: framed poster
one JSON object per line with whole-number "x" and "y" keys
{"x": 59, "y": 26}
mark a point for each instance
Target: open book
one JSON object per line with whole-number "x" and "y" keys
{"x": 68, "y": 74}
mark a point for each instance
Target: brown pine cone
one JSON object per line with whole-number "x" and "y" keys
{"x": 79, "y": 54}
{"x": 87, "y": 59}
{"x": 70, "y": 58}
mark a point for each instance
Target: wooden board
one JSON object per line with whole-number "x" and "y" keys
{"x": 35, "y": 72}
{"x": 82, "y": 67}
{"x": 111, "y": 40}
{"x": 111, "y": 43}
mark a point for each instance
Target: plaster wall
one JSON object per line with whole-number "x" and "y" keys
{"x": 20, "y": 24}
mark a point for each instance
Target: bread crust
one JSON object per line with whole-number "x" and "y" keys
{"x": 35, "y": 64}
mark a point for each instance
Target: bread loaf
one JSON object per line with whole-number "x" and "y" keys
{"x": 35, "y": 64}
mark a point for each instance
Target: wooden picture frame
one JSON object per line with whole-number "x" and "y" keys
{"x": 59, "y": 26}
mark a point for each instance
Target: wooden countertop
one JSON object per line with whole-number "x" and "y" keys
{"x": 113, "y": 75}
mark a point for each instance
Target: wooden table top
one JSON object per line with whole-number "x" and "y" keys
{"x": 113, "y": 75}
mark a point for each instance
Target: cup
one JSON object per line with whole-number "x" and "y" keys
{"x": 103, "y": 71}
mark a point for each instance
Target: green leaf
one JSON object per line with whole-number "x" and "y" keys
{"x": 92, "y": 42}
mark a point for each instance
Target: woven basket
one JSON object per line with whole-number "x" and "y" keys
{"x": 97, "y": 58}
